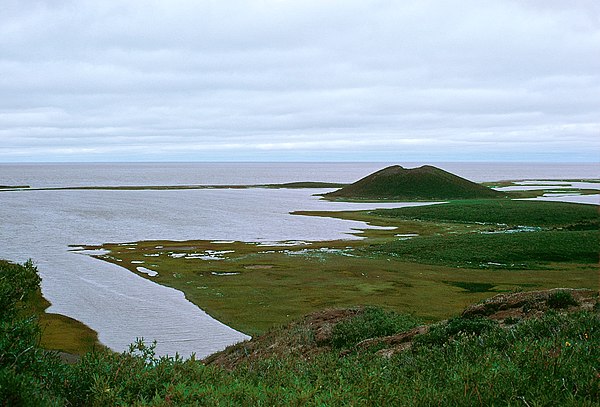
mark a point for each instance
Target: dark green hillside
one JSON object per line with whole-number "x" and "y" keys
{"x": 423, "y": 183}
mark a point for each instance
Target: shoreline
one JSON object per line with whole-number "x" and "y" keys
{"x": 59, "y": 332}
{"x": 253, "y": 286}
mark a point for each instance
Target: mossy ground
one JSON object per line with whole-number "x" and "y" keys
{"x": 62, "y": 333}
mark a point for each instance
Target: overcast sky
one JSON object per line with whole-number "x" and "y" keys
{"x": 306, "y": 80}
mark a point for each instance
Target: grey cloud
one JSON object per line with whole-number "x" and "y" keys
{"x": 83, "y": 80}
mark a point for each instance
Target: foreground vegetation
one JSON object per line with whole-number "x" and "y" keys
{"x": 433, "y": 260}
{"x": 469, "y": 360}
{"x": 57, "y": 332}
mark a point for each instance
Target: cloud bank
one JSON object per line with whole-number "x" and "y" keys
{"x": 278, "y": 80}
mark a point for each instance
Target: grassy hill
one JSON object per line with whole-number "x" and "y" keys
{"x": 537, "y": 348}
{"x": 423, "y": 183}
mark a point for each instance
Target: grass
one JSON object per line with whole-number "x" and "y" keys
{"x": 511, "y": 234}
{"x": 372, "y": 323}
{"x": 509, "y": 183}
{"x": 505, "y": 212}
{"x": 472, "y": 287}
{"x": 551, "y": 360}
{"x": 62, "y": 333}
{"x": 527, "y": 250}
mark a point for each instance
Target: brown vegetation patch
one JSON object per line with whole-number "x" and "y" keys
{"x": 523, "y": 305}
{"x": 394, "y": 343}
{"x": 303, "y": 339}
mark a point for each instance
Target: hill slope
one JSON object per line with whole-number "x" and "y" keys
{"x": 537, "y": 348}
{"x": 425, "y": 183}
{"x": 356, "y": 329}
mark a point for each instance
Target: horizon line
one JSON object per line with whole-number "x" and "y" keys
{"x": 303, "y": 162}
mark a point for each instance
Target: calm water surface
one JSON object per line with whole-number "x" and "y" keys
{"x": 103, "y": 174}
{"x": 121, "y": 305}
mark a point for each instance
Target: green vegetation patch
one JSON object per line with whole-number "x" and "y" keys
{"x": 505, "y": 234}
{"x": 307, "y": 184}
{"x": 472, "y": 287}
{"x": 442, "y": 333}
{"x": 527, "y": 250}
{"x": 561, "y": 299}
{"x": 18, "y": 284}
{"x": 552, "y": 360}
{"x": 371, "y": 323}
{"x": 503, "y": 212}
{"x": 24, "y": 367}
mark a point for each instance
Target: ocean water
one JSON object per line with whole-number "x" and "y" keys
{"x": 122, "y": 306}
{"x": 127, "y": 174}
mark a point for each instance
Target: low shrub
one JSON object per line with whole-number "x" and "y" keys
{"x": 442, "y": 333}
{"x": 373, "y": 322}
{"x": 512, "y": 320}
{"x": 560, "y": 299}
{"x": 29, "y": 375}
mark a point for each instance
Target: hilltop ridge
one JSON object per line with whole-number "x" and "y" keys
{"x": 423, "y": 183}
